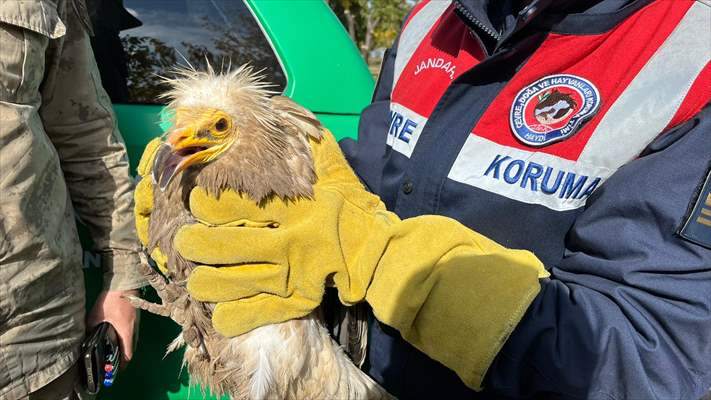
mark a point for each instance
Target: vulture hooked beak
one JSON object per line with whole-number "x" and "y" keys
{"x": 185, "y": 147}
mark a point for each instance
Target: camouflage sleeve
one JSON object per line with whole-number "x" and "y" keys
{"x": 80, "y": 122}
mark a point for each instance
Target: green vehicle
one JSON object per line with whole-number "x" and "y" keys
{"x": 301, "y": 47}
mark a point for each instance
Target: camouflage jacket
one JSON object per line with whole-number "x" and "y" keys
{"x": 61, "y": 157}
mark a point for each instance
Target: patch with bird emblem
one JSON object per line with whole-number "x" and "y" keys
{"x": 697, "y": 225}
{"x": 552, "y": 109}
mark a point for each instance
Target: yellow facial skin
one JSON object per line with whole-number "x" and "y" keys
{"x": 209, "y": 130}
{"x": 199, "y": 136}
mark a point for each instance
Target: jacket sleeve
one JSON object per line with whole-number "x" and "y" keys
{"x": 367, "y": 155}
{"x": 79, "y": 120}
{"x": 627, "y": 312}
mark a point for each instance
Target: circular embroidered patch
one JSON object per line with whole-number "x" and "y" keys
{"x": 552, "y": 109}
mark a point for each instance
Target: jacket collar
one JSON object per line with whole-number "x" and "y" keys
{"x": 495, "y": 21}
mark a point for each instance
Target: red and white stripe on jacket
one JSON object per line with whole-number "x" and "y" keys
{"x": 652, "y": 72}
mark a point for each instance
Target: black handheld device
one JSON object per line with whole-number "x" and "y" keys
{"x": 100, "y": 358}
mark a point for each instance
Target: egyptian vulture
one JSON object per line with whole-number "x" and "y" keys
{"x": 231, "y": 133}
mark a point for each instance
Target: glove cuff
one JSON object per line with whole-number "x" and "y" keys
{"x": 452, "y": 293}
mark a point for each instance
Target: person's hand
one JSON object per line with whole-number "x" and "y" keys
{"x": 113, "y": 307}
{"x": 143, "y": 199}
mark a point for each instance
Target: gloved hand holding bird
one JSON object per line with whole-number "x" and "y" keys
{"x": 229, "y": 137}
{"x": 250, "y": 210}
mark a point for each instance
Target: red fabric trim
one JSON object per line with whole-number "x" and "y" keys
{"x": 446, "y": 52}
{"x": 610, "y": 61}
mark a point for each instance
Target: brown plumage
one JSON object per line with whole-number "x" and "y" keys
{"x": 233, "y": 135}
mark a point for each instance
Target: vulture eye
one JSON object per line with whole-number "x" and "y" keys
{"x": 221, "y": 125}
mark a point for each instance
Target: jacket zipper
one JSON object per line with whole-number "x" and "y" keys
{"x": 476, "y": 22}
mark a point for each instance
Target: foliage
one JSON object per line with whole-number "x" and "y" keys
{"x": 147, "y": 57}
{"x": 372, "y": 24}
{"x": 151, "y": 56}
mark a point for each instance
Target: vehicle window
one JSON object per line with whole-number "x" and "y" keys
{"x": 221, "y": 32}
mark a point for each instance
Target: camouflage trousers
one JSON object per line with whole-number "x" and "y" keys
{"x": 60, "y": 154}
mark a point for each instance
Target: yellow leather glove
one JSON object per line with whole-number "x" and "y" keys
{"x": 451, "y": 292}
{"x": 143, "y": 200}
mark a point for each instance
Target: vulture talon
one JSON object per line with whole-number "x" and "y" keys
{"x": 153, "y": 308}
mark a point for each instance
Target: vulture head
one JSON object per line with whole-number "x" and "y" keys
{"x": 230, "y": 131}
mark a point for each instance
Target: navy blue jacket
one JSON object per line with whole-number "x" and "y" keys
{"x": 605, "y": 183}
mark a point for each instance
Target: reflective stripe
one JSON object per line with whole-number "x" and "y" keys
{"x": 635, "y": 118}
{"x": 653, "y": 97}
{"x": 404, "y": 129}
{"x": 529, "y": 177}
{"x": 416, "y": 30}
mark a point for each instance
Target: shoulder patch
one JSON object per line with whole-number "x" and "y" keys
{"x": 553, "y": 109}
{"x": 697, "y": 226}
